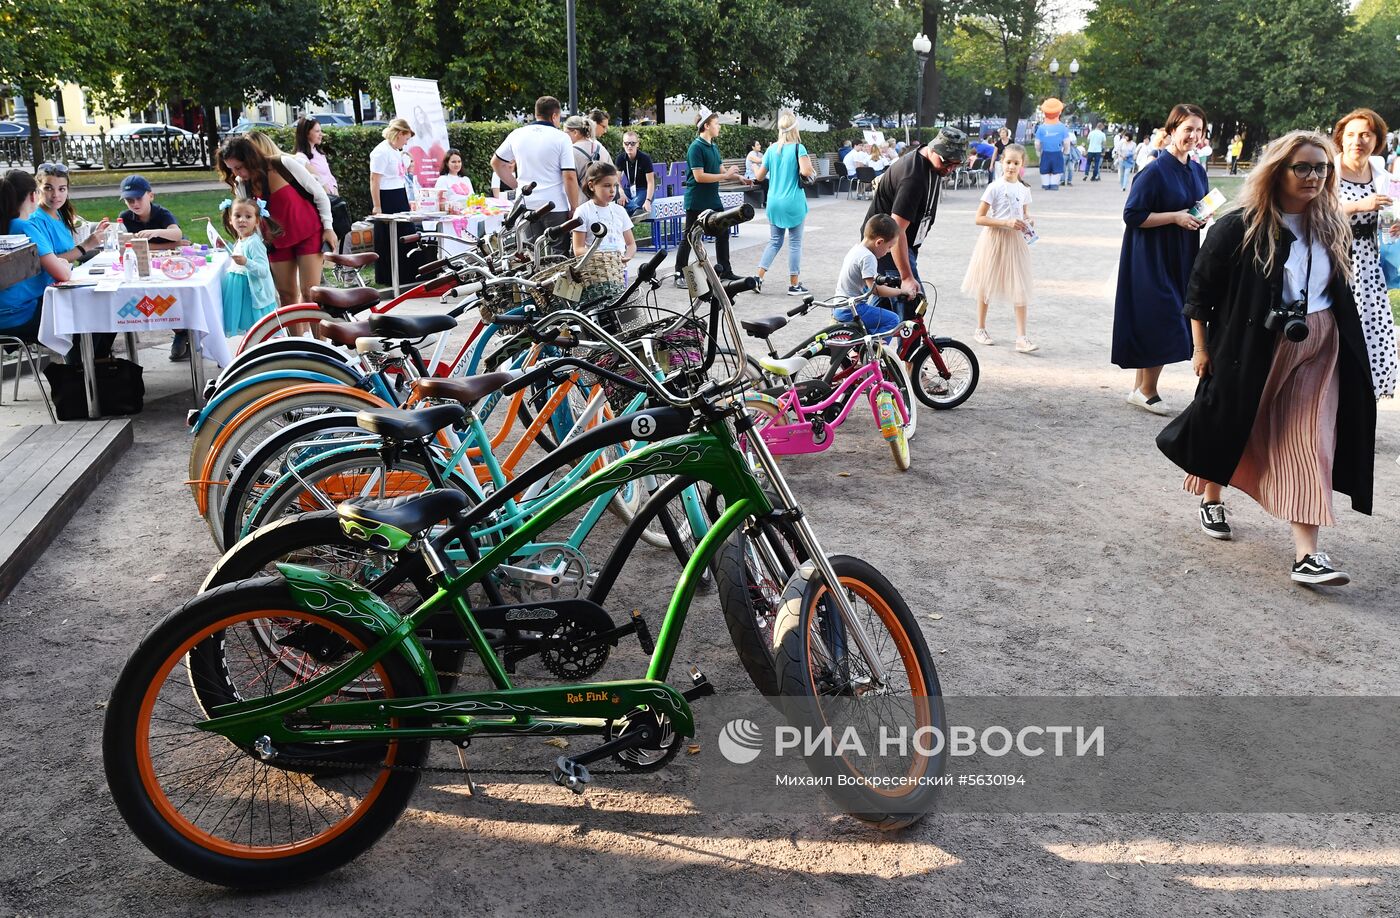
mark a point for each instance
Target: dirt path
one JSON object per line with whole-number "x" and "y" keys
{"x": 1039, "y": 504}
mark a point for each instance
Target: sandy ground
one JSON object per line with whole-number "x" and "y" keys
{"x": 1040, "y": 504}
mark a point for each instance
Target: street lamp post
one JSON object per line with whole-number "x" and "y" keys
{"x": 922, "y": 47}
{"x": 571, "y": 27}
{"x": 1064, "y": 81}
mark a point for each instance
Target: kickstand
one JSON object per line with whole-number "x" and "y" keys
{"x": 462, "y": 760}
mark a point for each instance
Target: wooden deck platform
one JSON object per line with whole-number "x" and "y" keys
{"x": 45, "y": 475}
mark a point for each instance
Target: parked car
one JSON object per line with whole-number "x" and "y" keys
{"x": 15, "y": 129}
{"x": 145, "y": 143}
{"x": 244, "y": 127}
{"x": 375, "y": 123}
{"x": 334, "y": 119}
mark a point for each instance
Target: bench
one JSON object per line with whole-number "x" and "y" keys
{"x": 667, "y": 221}
{"x": 45, "y": 475}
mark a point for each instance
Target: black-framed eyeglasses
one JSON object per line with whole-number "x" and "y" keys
{"x": 1303, "y": 170}
{"x": 53, "y": 169}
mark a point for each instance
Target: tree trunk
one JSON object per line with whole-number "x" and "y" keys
{"x": 1015, "y": 100}
{"x": 211, "y": 132}
{"x": 626, "y": 110}
{"x": 355, "y": 102}
{"x": 744, "y": 118}
{"x": 36, "y": 143}
{"x": 660, "y": 106}
{"x": 933, "y": 11}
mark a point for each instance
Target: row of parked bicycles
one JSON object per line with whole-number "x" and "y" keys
{"x": 414, "y": 550}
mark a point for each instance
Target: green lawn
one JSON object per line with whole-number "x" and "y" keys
{"x": 188, "y": 207}
{"x": 113, "y": 177}
{"x": 1395, "y": 305}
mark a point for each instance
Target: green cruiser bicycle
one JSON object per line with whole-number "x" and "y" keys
{"x": 253, "y": 770}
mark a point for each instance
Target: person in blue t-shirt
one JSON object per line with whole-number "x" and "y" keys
{"x": 60, "y": 219}
{"x": 20, "y": 302}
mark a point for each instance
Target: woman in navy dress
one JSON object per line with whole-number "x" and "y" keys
{"x": 1159, "y": 248}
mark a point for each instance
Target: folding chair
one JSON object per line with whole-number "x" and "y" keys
{"x": 865, "y": 181}
{"x": 10, "y": 344}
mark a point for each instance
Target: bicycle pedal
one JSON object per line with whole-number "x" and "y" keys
{"x": 568, "y": 773}
{"x": 700, "y": 686}
{"x": 643, "y": 632}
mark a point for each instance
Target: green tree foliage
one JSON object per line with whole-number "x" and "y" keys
{"x": 222, "y": 53}
{"x": 1266, "y": 66}
{"x": 1013, "y": 33}
{"x": 44, "y": 43}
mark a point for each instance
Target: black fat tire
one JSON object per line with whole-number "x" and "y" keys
{"x": 803, "y": 709}
{"x": 119, "y": 745}
{"x": 923, "y": 354}
{"x": 735, "y": 588}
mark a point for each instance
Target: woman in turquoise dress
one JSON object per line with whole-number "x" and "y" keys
{"x": 248, "y": 290}
{"x": 783, "y": 165}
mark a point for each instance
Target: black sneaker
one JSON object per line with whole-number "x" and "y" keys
{"x": 1317, "y": 569}
{"x": 679, "y": 280}
{"x": 180, "y": 346}
{"x": 757, "y": 284}
{"x": 727, "y": 275}
{"x": 1213, "y": 520}
{"x": 798, "y": 290}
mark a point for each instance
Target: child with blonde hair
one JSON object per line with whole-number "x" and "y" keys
{"x": 1001, "y": 260}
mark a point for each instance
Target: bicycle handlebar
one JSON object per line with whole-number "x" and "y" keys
{"x": 648, "y": 269}
{"x": 741, "y": 285}
{"x": 802, "y": 308}
{"x": 555, "y": 233}
{"x": 716, "y": 222}
{"x": 521, "y": 193}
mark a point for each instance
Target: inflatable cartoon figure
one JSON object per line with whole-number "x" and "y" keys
{"x": 1051, "y": 138}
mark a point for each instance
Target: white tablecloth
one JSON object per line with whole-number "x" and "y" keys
{"x": 150, "y": 304}
{"x": 467, "y": 226}
{"x": 675, "y": 206}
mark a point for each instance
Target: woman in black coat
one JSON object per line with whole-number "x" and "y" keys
{"x": 1286, "y": 419}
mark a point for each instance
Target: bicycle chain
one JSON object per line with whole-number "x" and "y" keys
{"x": 441, "y": 769}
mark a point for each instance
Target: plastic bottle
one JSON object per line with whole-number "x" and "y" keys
{"x": 110, "y": 243}
{"x": 129, "y": 264}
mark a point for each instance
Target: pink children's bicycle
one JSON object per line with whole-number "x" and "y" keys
{"x": 801, "y": 415}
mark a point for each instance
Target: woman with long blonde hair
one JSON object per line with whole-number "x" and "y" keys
{"x": 784, "y": 162}
{"x": 1284, "y": 410}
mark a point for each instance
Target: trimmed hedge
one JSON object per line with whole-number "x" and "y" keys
{"x": 347, "y": 149}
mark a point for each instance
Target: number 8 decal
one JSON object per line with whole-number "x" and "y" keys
{"x": 643, "y": 426}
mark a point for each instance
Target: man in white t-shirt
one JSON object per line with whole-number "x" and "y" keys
{"x": 857, "y": 157}
{"x": 540, "y": 153}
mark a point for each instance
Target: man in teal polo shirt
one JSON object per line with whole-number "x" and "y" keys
{"x": 702, "y": 193}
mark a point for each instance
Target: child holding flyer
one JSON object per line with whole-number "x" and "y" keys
{"x": 248, "y": 290}
{"x": 1001, "y": 261}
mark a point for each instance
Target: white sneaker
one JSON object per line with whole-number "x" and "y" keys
{"x": 981, "y": 337}
{"x": 1026, "y": 345}
{"x": 1153, "y": 404}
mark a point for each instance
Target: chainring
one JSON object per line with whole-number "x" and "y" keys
{"x": 562, "y": 655}
{"x": 646, "y": 758}
{"x": 568, "y": 570}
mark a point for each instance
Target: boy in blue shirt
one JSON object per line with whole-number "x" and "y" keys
{"x": 148, "y": 220}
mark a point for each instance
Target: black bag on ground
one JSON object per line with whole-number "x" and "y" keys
{"x": 120, "y": 389}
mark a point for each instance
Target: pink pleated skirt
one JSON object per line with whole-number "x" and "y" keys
{"x": 1287, "y": 463}
{"x": 1000, "y": 268}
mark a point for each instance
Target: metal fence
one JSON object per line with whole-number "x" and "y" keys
{"x": 101, "y": 151}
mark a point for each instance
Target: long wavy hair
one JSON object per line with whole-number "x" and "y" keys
{"x": 1323, "y": 220}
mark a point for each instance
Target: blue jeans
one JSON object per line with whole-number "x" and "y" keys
{"x": 636, "y": 197}
{"x": 1095, "y": 159}
{"x": 877, "y": 318}
{"x": 775, "y": 242}
{"x": 1125, "y": 172}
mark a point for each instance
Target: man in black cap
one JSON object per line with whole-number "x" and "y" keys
{"x": 908, "y": 191}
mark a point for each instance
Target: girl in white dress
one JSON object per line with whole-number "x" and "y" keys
{"x": 1001, "y": 260}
